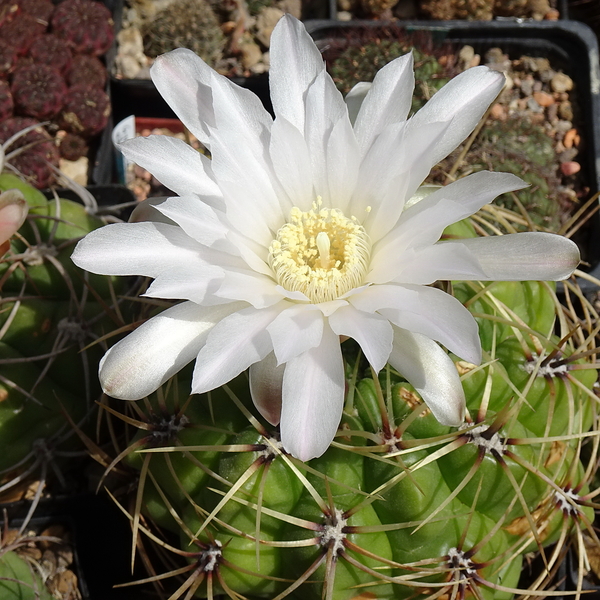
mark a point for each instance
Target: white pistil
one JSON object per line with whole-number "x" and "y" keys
{"x": 323, "y": 245}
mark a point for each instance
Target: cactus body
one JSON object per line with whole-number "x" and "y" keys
{"x": 400, "y": 506}
{"x": 19, "y": 580}
{"x": 48, "y": 315}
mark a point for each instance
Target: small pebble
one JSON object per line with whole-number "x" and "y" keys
{"x": 543, "y": 98}
{"x": 498, "y": 112}
{"x": 563, "y": 126}
{"x": 547, "y": 75}
{"x": 571, "y": 138}
{"x": 251, "y": 54}
{"x": 552, "y": 113}
{"x": 561, "y": 83}
{"x": 533, "y": 106}
{"x": 534, "y": 65}
{"x": 265, "y": 23}
{"x": 465, "y": 55}
{"x": 568, "y": 155}
{"x": 527, "y": 86}
{"x": 565, "y": 111}
{"x": 570, "y": 168}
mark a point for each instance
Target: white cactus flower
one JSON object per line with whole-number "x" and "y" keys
{"x": 295, "y": 234}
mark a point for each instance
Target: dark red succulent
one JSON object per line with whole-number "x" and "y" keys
{"x": 6, "y": 101}
{"x": 86, "y": 70}
{"x": 40, "y": 9}
{"x": 39, "y": 91}
{"x": 85, "y": 111}
{"x": 72, "y": 146}
{"x": 52, "y": 51}
{"x": 21, "y": 32}
{"x": 38, "y": 150}
{"x": 9, "y": 9}
{"x": 8, "y": 59}
{"x": 86, "y": 24}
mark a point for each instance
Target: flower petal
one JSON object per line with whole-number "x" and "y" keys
{"x": 324, "y": 108}
{"x": 313, "y": 398}
{"x": 296, "y": 330}
{"x": 252, "y": 287}
{"x": 385, "y": 174}
{"x": 427, "y": 311}
{"x": 175, "y": 164}
{"x": 291, "y": 163}
{"x": 343, "y": 163}
{"x": 137, "y": 365}
{"x": 183, "y": 80}
{"x": 13, "y": 212}
{"x": 238, "y": 341}
{"x": 189, "y": 85}
{"x": 242, "y": 166}
{"x": 373, "y": 333}
{"x": 146, "y": 211}
{"x": 432, "y": 373}
{"x": 295, "y": 61}
{"x": 388, "y": 100}
{"x": 524, "y": 256}
{"x": 145, "y": 249}
{"x": 266, "y": 382}
{"x": 199, "y": 220}
{"x": 197, "y": 283}
{"x": 423, "y": 223}
{"x": 426, "y": 265}
{"x": 464, "y": 100}
{"x": 354, "y": 99}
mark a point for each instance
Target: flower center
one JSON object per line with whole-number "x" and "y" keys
{"x": 320, "y": 252}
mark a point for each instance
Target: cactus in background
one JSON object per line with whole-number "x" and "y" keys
{"x": 28, "y": 150}
{"x": 400, "y": 506}
{"x": 86, "y": 110}
{"x": 86, "y": 25}
{"x": 38, "y": 91}
{"x": 525, "y": 149}
{"x": 53, "y": 51}
{"x": 186, "y": 24}
{"x": 19, "y": 580}
{"x": 360, "y": 59}
{"x": 86, "y": 70}
{"x": 50, "y": 312}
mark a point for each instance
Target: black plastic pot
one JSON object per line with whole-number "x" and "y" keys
{"x": 570, "y": 46}
{"x": 100, "y": 536}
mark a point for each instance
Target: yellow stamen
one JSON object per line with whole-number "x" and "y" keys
{"x": 320, "y": 252}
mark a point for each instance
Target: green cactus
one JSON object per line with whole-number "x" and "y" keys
{"x": 20, "y": 580}
{"x": 361, "y": 63}
{"x": 52, "y": 316}
{"x": 186, "y": 24}
{"x": 521, "y": 147}
{"x": 399, "y": 506}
